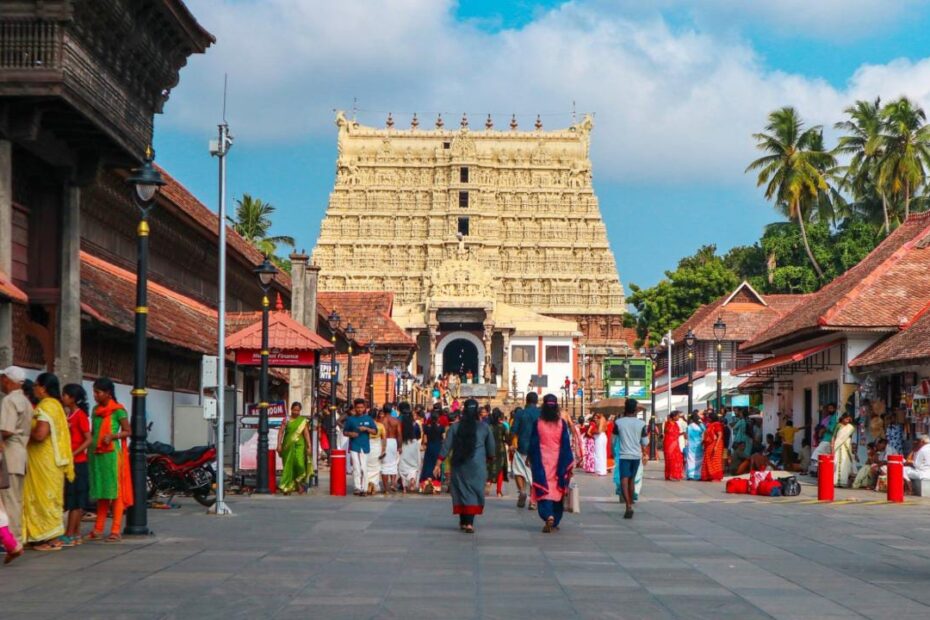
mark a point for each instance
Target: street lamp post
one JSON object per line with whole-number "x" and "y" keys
{"x": 720, "y": 332}
{"x": 591, "y": 388}
{"x": 145, "y": 181}
{"x": 653, "y": 355}
{"x": 581, "y": 397}
{"x": 626, "y": 372}
{"x": 350, "y": 334}
{"x": 333, "y": 319}
{"x": 387, "y": 367}
{"x": 689, "y": 341}
{"x": 266, "y": 273}
{"x": 574, "y": 390}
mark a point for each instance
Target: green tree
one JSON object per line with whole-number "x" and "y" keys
{"x": 863, "y": 143}
{"x": 697, "y": 280}
{"x": 253, "y": 222}
{"x": 907, "y": 150}
{"x": 793, "y": 170}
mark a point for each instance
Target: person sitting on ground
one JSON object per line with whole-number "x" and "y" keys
{"x": 757, "y": 462}
{"x": 919, "y": 468}
{"x": 737, "y": 459}
{"x": 865, "y": 477}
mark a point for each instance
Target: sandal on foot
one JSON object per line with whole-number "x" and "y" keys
{"x": 67, "y": 541}
{"x": 45, "y": 547}
{"x": 95, "y": 536}
{"x": 12, "y": 555}
{"x": 113, "y": 538}
{"x": 469, "y": 529}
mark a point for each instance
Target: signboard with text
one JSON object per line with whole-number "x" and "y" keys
{"x": 291, "y": 359}
{"x": 325, "y": 371}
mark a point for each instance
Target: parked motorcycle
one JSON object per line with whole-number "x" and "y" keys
{"x": 186, "y": 471}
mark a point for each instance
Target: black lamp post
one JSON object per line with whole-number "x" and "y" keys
{"x": 333, "y": 320}
{"x": 266, "y": 273}
{"x": 387, "y": 368}
{"x": 146, "y": 181}
{"x": 689, "y": 341}
{"x": 583, "y": 394}
{"x": 350, "y": 335}
{"x": 371, "y": 351}
{"x": 626, "y": 372}
{"x": 654, "y": 356}
{"x": 591, "y": 387}
{"x": 720, "y": 332}
{"x": 574, "y": 389}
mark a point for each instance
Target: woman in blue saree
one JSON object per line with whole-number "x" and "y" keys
{"x": 694, "y": 451}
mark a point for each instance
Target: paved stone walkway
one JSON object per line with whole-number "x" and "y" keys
{"x": 690, "y": 552}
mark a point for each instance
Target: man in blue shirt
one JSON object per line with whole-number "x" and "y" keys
{"x": 359, "y": 427}
{"x": 523, "y": 423}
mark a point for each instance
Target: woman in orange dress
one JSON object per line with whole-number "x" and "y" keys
{"x": 712, "y": 467}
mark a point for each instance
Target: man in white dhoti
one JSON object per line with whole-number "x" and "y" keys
{"x": 393, "y": 440}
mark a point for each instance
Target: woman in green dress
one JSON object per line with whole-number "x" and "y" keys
{"x": 296, "y": 452}
{"x": 108, "y": 460}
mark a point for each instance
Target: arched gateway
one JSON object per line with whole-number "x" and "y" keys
{"x": 460, "y": 352}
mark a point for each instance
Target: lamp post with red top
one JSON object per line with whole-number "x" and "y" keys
{"x": 720, "y": 332}
{"x": 145, "y": 181}
{"x": 266, "y": 273}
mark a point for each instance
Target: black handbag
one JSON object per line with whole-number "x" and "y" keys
{"x": 790, "y": 486}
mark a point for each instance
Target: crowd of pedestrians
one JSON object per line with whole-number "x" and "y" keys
{"x": 55, "y": 459}
{"x": 472, "y": 449}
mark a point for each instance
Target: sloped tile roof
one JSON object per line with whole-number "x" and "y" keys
{"x": 284, "y": 334}
{"x": 108, "y": 295}
{"x": 887, "y": 288}
{"x": 11, "y": 291}
{"x": 369, "y": 312}
{"x": 744, "y": 315}
{"x": 911, "y": 345}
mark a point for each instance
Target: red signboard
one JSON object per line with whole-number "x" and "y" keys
{"x": 290, "y": 359}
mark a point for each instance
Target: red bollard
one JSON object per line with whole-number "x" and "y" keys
{"x": 337, "y": 472}
{"x": 272, "y": 472}
{"x": 895, "y": 478}
{"x": 825, "y": 477}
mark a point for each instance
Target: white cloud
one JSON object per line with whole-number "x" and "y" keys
{"x": 674, "y": 105}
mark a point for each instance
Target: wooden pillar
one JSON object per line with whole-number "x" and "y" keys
{"x": 68, "y": 342}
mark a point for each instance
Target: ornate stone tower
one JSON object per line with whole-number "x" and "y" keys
{"x": 519, "y": 203}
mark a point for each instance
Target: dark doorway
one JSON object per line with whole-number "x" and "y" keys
{"x": 459, "y": 357}
{"x": 808, "y": 414}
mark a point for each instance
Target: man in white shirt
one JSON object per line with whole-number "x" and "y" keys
{"x": 921, "y": 468}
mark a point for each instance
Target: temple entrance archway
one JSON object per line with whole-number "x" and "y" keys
{"x": 460, "y": 352}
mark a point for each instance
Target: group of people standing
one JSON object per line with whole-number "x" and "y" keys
{"x": 54, "y": 459}
{"x": 696, "y": 449}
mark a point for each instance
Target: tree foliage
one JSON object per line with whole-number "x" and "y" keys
{"x": 839, "y": 204}
{"x": 253, "y": 222}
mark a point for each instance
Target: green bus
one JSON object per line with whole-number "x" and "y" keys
{"x": 639, "y": 382}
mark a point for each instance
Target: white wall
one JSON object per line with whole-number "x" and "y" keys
{"x": 524, "y": 369}
{"x": 556, "y": 371}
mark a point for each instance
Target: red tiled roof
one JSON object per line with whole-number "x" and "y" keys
{"x": 108, "y": 295}
{"x": 179, "y": 196}
{"x": 745, "y": 315}
{"x": 911, "y": 345}
{"x": 786, "y": 358}
{"x": 887, "y": 288}
{"x": 360, "y": 365}
{"x": 369, "y": 312}
{"x": 11, "y": 291}
{"x": 284, "y": 334}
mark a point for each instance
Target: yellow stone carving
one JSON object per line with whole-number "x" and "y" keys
{"x": 535, "y": 235}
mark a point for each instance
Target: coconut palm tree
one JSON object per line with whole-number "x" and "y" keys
{"x": 906, "y": 135}
{"x": 253, "y": 221}
{"x": 792, "y": 170}
{"x": 864, "y": 144}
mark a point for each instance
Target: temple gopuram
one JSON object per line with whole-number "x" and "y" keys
{"x": 491, "y": 242}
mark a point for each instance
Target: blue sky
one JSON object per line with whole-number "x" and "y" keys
{"x": 677, "y": 87}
